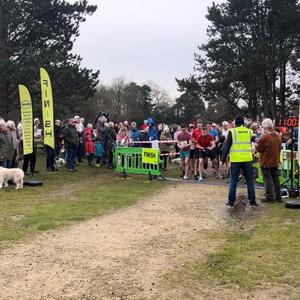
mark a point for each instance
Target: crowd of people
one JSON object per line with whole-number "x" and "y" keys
{"x": 195, "y": 144}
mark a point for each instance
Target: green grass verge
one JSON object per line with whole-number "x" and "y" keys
{"x": 66, "y": 198}
{"x": 269, "y": 253}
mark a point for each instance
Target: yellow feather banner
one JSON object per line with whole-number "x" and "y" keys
{"x": 47, "y": 108}
{"x": 27, "y": 119}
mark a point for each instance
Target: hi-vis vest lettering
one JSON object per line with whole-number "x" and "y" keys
{"x": 241, "y": 148}
{"x": 149, "y": 156}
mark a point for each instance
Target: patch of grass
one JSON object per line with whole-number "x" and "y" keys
{"x": 66, "y": 198}
{"x": 269, "y": 253}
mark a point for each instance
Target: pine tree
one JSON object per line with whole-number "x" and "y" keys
{"x": 41, "y": 33}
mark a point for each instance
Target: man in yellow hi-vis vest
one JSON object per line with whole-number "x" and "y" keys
{"x": 239, "y": 147}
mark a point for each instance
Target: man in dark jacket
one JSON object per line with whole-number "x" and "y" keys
{"x": 269, "y": 147}
{"x": 71, "y": 141}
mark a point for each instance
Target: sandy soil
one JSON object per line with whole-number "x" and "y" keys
{"x": 123, "y": 255}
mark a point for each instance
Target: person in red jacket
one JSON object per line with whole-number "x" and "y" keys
{"x": 89, "y": 144}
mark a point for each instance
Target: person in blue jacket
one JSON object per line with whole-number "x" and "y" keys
{"x": 152, "y": 130}
{"x": 135, "y": 135}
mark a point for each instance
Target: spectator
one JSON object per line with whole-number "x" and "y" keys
{"x": 126, "y": 125}
{"x": 134, "y": 135}
{"x": 101, "y": 134}
{"x": 71, "y": 139}
{"x": 152, "y": 130}
{"x": 269, "y": 147}
{"x": 225, "y": 129}
{"x": 122, "y": 138}
{"x": 110, "y": 144}
{"x": 16, "y": 142}
{"x": 6, "y": 145}
{"x": 160, "y": 130}
{"x": 30, "y": 159}
{"x": 36, "y": 129}
{"x": 165, "y": 147}
{"x": 145, "y": 137}
{"x": 184, "y": 141}
{"x": 80, "y": 131}
{"x": 89, "y": 144}
{"x": 20, "y": 137}
{"x": 58, "y": 137}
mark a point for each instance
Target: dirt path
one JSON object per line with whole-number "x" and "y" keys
{"x": 122, "y": 255}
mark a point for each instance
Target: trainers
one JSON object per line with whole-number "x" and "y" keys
{"x": 182, "y": 174}
{"x": 204, "y": 175}
{"x": 196, "y": 177}
{"x": 253, "y": 204}
{"x": 185, "y": 178}
{"x": 229, "y": 205}
{"x": 219, "y": 176}
{"x": 200, "y": 178}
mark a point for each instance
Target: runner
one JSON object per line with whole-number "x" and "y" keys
{"x": 184, "y": 142}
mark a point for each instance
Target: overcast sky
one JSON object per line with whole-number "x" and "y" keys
{"x": 143, "y": 40}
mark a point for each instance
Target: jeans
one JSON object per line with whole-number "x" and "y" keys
{"x": 271, "y": 181}
{"x": 3, "y": 163}
{"x": 71, "y": 157}
{"x": 50, "y": 158}
{"x": 9, "y": 164}
{"x": 235, "y": 169}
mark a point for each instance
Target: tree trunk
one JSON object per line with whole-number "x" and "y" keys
{"x": 266, "y": 98}
{"x": 3, "y": 59}
{"x": 274, "y": 95}
{"x": 282, "y": 89}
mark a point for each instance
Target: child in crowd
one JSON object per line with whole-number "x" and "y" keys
{"x": 89, "y": 144}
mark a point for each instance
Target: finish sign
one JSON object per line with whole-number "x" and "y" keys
{"x": 149, "y": 156}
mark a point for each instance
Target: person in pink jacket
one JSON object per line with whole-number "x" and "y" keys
{"x": 89, "y": 144}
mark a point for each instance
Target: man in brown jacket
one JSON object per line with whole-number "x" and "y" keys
{"x": 269, "y": 147}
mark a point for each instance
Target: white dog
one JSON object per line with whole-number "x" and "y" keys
{"x": 16, "y": 175}
{"x": 59, "y": 162}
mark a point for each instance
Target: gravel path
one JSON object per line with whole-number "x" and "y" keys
{"x": 122, "y": 255}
